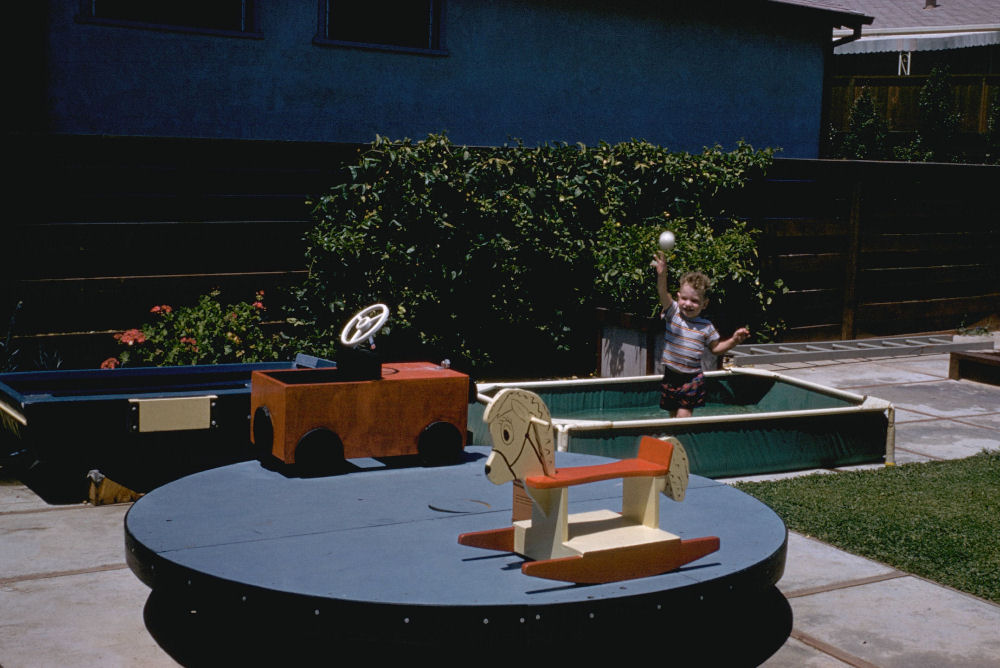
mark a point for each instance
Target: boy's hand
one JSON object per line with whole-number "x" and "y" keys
{"x": 659, "y": 262}
{"x": 738, "y": 337}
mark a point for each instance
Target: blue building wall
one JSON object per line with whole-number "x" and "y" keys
{"x": 537, "y": 70}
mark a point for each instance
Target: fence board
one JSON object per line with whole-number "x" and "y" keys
{"x": 925, "y": 315}
{"x": 80, "y": 250}
{"x": 907, "y": 283}
{"x": 117, "y": 303}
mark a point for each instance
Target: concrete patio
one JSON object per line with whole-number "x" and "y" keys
{"x": 848, "y": 610}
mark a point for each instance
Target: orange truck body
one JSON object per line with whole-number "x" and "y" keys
{"x": 373, "y": 418}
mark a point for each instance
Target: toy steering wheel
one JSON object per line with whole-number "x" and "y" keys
{"x": 364, "y": 324}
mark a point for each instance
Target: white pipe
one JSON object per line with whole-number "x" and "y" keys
{"x": 829, "y": 391}
{"x": 562, "y": 438}
{"x": 713, "y": 419}
{"x": 14, "y": 413}
{"x": 890, "y": 438}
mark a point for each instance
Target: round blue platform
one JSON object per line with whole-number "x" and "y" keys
{"x": 374, "y": 553}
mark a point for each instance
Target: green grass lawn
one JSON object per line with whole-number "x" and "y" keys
{"x": 938, "y": 520}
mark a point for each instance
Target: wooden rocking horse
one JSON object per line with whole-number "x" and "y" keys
{"x": 591, "y": 547}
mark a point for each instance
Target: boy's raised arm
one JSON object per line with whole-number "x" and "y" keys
{"x": 659, "y": 263}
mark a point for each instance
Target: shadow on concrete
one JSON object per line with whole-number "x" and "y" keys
{"x": 55, "y": 485}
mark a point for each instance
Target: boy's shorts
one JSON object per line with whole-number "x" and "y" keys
{"x": 681, "y": 390}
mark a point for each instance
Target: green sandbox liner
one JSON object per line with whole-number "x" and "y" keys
{"x": 754, "y": 422}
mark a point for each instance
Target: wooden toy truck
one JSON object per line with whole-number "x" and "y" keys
{"x": 316, "y": 418}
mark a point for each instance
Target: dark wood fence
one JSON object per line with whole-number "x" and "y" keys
{"x": 880, "y": 248}
{"x": 100, "y": 229}
{"x": 107, "y": 227}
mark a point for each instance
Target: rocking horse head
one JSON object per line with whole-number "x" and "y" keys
{"x": 521, "y": 430}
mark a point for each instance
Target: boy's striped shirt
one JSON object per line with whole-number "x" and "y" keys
{"x": 685, "y": 340}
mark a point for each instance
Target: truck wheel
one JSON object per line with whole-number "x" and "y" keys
{"x": 319, "y": 452}
{"x": 440, "y": 443}
{"x": 263, "y": 434}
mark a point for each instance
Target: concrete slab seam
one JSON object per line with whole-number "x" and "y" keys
{"x": 30, "y": 511}
{"x": 922, "y": 454}
{"x": 961, "y": 420}
{"x": 953, "y": 590}
{"x": 59, "y": 574}
{"x": 847, "y": 584}
{"x": 831, "y": 650}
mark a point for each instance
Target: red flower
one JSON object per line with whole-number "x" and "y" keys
{"x": 109, "y": 363}
{"x": 259, "y": 305}
{"x": 155, "y": 309}
{"x": 163, "y": 307}
{"x": 131, "y": 336}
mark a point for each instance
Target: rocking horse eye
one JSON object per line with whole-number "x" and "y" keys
{"x": 505, "y": 432}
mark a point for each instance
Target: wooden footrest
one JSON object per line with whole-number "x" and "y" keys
{"x": 623, "y": 563}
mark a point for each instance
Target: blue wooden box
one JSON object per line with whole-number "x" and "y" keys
{"x": 141, "y": 427}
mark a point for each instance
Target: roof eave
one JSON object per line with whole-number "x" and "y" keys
{"x": 838, "y": 18}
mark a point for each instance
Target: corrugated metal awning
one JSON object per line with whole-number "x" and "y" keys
{"x": 936, "y": 41}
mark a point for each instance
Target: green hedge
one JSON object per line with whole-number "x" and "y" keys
{"x": 497, "y": 257}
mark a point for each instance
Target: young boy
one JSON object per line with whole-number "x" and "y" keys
{"x": 687, "y": 336}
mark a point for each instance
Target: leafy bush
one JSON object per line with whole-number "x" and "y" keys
{"x": 9, "y": 354}
{"x": 496, "y": 257}
{"x": 867, "y": 133}
{"x": 938, "y": 123}
{"x": 993, "y": 131}
{"x": 206, "y": 333}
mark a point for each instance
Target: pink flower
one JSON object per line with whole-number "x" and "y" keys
{"x": 109, "y": 363}
{"x": 163, "y": 307}
{"x": 258, "y": 305}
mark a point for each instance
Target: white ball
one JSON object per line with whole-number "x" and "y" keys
{"x": 667, "y": 240}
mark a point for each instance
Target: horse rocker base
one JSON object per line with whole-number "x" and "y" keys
{"x": 593, "y": 547}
